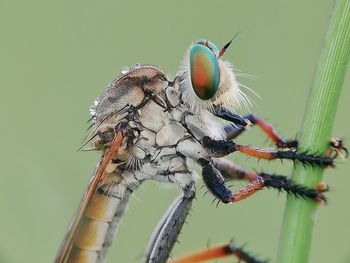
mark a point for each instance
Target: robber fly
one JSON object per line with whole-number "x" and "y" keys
{"x": 148, "y": 126}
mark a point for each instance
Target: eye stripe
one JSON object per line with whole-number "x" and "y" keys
{"x": 205, "y": 75}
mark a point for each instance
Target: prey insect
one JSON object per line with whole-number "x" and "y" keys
{"x": 147, "y": 128}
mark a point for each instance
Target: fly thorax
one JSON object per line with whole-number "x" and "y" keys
{"x": 173, "y": 96}
{"x": 152, "y": 116}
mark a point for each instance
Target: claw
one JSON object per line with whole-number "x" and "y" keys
{"x": 320, "y": 200}
{"x": 337, "y": 147}
{"x": 321, "y": 188}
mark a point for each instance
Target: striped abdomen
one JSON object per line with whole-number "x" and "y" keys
{"x": 98, "y": 224}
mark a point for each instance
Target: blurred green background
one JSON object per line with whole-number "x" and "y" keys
{"x": 57, "y": 56}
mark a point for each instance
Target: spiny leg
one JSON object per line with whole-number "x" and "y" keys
{"x": 241, "y": 123}
{"x": 168, "y": 229}
{"x": 220, "y": 251}
{"x": 215, "y": 182}
{"x": 231, "y": 171}
{"x": 219, "y": 148}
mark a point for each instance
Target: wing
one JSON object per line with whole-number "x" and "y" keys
{"x": 67, "y": 243}
{"x": 105, "y": 199}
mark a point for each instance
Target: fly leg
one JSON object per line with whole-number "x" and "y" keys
{"x": 219, "y": 148}
{"x": 231, "y": 171}
{"x": 234, "y": 131}
{"x": 220, "y": 251}
{"x": 215, "y": 182}
{"x": 168, "y": 229}
{"x": 241, "y": 123}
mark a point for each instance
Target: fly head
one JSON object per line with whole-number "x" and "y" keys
{"x": 205, "y": 79}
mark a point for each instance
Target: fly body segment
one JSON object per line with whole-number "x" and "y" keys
{"x": 147, "y": 128}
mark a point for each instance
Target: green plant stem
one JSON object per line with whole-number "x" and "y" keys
{"x": 316, "y": 132}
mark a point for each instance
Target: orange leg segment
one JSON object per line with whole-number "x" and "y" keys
{"x": 256, "y": 153}
{"x": 268, "y": 130}
{"x": 271, "y": 133}
{"x": 217, "y": 252}
{"x": 303, "y": 157}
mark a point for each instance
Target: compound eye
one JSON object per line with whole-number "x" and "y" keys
{"x": 205, "y": 73}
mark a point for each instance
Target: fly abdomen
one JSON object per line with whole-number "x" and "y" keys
{"x": 98, "y": 225}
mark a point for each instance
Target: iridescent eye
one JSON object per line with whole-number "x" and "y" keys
{"x": 205, "y": 73}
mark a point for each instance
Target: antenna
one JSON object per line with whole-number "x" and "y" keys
{"x": 223, "y": 50}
